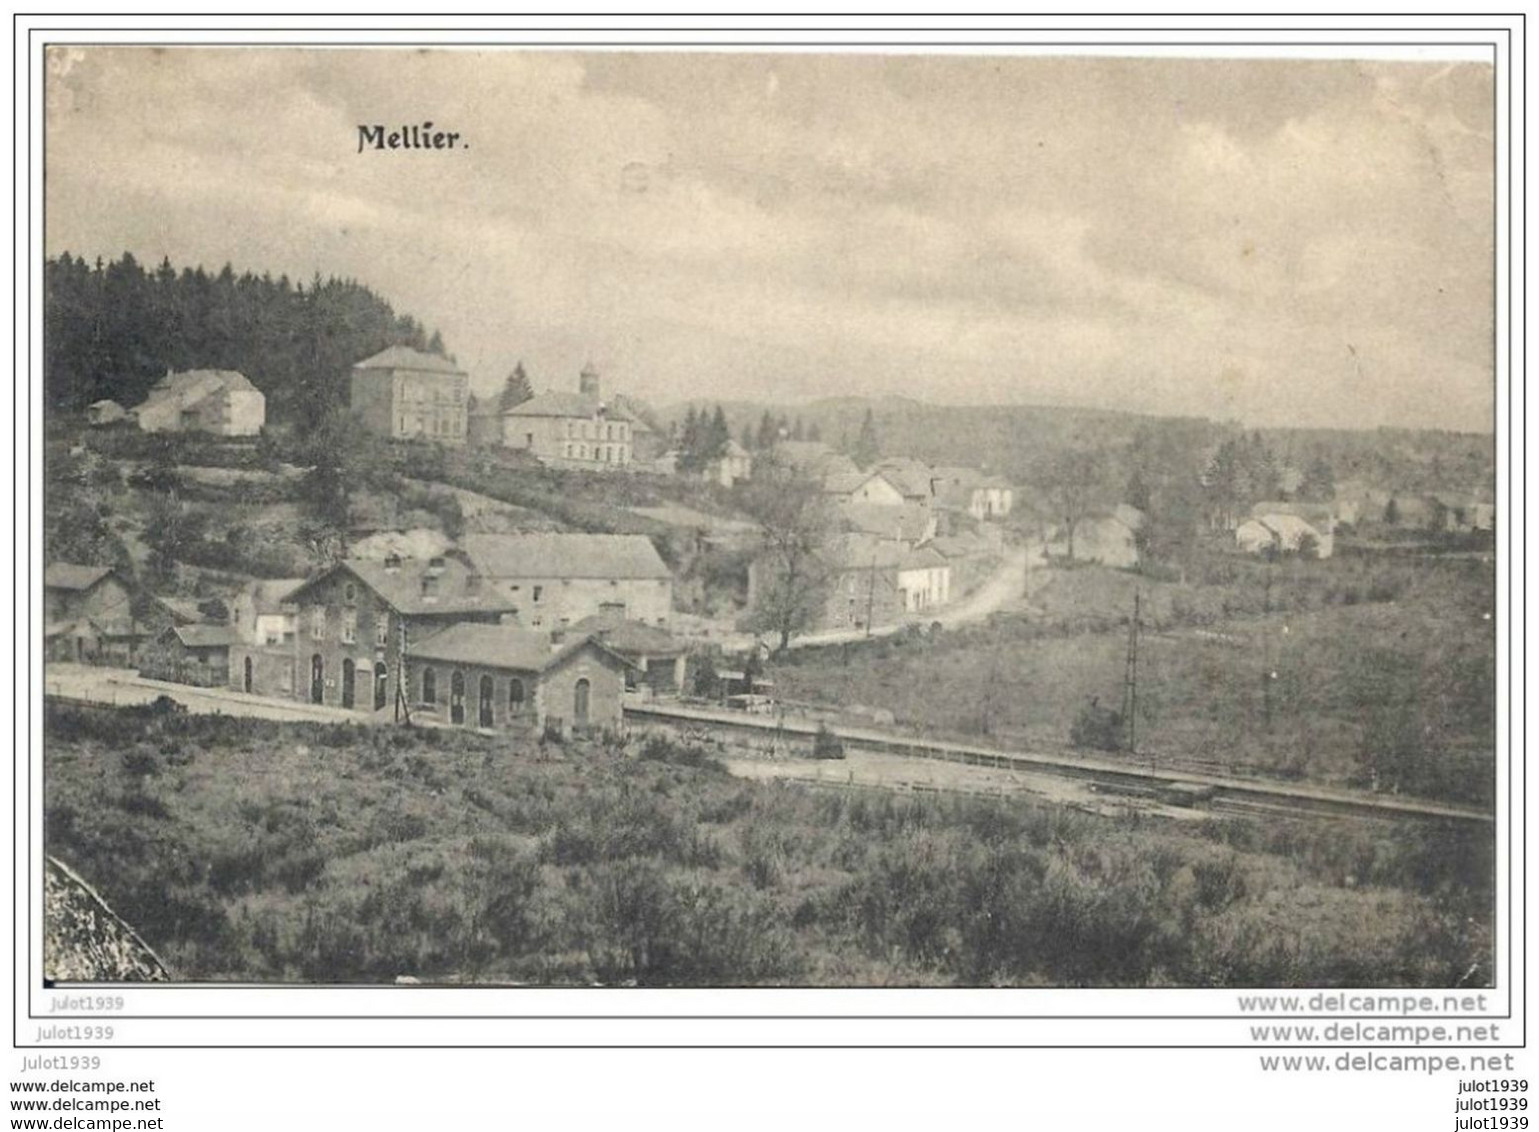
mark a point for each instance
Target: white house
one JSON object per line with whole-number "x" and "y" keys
{"x": 1275, "y": 533}
{"x": 217, "y": 401}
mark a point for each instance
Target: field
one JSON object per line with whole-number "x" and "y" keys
{"x": 302, "y": 852}
{"x": 1372, "y": 673}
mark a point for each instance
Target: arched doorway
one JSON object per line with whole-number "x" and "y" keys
{"x": 317, "y": 679}
{"x": 457, "y": 697}
{"x": 246, "y": 681}
{"x": 580, "y": 703}
{"x": 484, "y": 716}
{"x": 381, "y": 685}
{"x": 349, "y": 682}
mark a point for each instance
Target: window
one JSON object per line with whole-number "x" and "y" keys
{"x": 515, "y": 696}
{"x": 318, "y": 623}
{"x": 538, "y": 590}
{"x": 381, "y": 628}
{"x": 429, "y": 686}
{"x": 349, "y": 626}
{"x": 350, "y": 593}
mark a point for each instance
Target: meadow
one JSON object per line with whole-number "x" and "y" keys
{"x": 275, "y": 852}
{"x": 1363, "y": 672}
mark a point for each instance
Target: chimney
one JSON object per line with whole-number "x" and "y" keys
{"x": 588, "y": 381}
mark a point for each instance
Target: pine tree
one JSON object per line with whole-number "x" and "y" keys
{"x": 516, "y": 390}
{"x": 867, "y": 448}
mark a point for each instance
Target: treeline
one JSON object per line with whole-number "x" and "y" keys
{"x": 111, "y": 330}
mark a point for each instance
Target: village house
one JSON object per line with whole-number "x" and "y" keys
{"x": 971, "y": 556}
{"x": 813, "y": 459}
{"x": 1275, "y": 533}
{"x": 356, "y": 622}
{"x": 659, "y": 663}
{"x": 733, "y": 466}
{"x": 547, "y": 581}
{"x": 969, "y": 491}
{"x": 405, "y": 394}
{"x": 195, "y": 654}
{"x": 572, "y": 429}
{"x": 264, "y": 619}
{"x": 870, "y": 582}
{"x": 1461, "y": 514}
{"x": 1320, "y": 517}
{"x": 508, "y": 678}
{"x": 88, "y": 615}
{"x": 216, "y": 401}
{"x": 881, "y": 502}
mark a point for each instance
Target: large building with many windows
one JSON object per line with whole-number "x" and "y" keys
{"x": 578, "y": 429}
{"x": 408, "y": 395}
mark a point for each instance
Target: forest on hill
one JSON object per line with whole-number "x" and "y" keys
{"x": 112, "y": 329}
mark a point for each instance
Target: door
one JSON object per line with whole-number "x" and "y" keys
{"x": 485, "y": 715}
{"x": 580, "y": 703}
{"x": 349, "y": 682}
{"x": 457, "y": 697}
{"x": 246, "y": 678}
{"x": 317, "y": 679}
{"x": 381, "y": 685}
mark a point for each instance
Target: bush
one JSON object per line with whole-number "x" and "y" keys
{"x": 1097, "y": 727}
{"x": 827, "y": 745}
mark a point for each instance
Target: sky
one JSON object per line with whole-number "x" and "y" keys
{"x": 1282, "y": 242}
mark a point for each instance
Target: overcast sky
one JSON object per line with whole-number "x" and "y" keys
{"x": 1297, "y": 242}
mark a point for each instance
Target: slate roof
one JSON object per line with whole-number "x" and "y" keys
{"x": 563, "y": 403}
{"x": 270, "y": 593}
{"x": 890, "y": 521}
{"x": 68, "y": 576}
{"x": 205, "y": 636}
{"x": 630, "y": 638}
{"x": 402, "y": 357}
{"x": 401, "y": 587}
{"x": 501, "y": 646}
{"x": 564, "y": 556}
{"x": 191, "y": 386}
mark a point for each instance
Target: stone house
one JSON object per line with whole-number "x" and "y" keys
{"x": 733, "y": 466}
{"x": 549, "y": 581}
{"x": 1278, "y": 533}
{"x": 356, "y": 623}
{"x": 216, "y": 401}
{"x": 572, "y": 429}
{"x": 405, "y": 394}
{"x": 190, "y": 654}
{"x": 507, "y": 678}
{"x": 659, "y": 663}
{"x": 88, "y": 615}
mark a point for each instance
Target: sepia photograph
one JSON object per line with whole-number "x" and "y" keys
{"x": 691, "y": 518}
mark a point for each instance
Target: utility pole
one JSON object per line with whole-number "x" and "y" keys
{"x": 402, "y": 702}
{"x": 1266, "y": 650}
{"x": 1130, "y": 681}
{"x": 871, "y": 594}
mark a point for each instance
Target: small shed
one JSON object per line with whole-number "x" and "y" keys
{"x": 191, "y": 654}
{"x": 105, "y": 412}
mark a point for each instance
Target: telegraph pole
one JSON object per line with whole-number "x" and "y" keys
{"x": 1130, "y": 681}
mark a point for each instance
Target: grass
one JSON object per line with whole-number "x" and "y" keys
{"x": 1393, "y": 689}
{"x": 301, "y": 852}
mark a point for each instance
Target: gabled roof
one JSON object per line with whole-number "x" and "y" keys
{"x": 909, "y": 524}
{"x": 68, "y": 576}
{"x": 923, "y": 558}
{"x": 910, "y": 476}
{"x": 502, "y": 646}
{"x": 1312, "y": 512}
{"x": 402, "y": 357}
{"x": 205, "y": 636}
{"x": 562, "y": 403}
{"x": 565, "y": 556}
{"x": 958, "y": 546}
{"x": 848, "y": 483}
{"x": 1288, "y": 528}
{"x": 631, "y": 638}
{"x": 401, "y": 587}
{"x": 193, "y": 385}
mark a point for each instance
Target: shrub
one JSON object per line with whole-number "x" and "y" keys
{"x": 826, "y": 744}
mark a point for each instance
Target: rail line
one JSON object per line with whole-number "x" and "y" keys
{"x": 1217, "y": 792}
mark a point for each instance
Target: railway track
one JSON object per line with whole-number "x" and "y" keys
{"x": 1214, "y": 792}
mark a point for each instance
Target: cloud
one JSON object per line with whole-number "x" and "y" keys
{"x": 1108, "y": 232}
